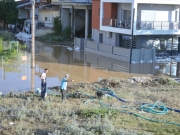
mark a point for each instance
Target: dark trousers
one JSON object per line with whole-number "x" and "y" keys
{"x": 43, "y": 89}
{"x": 63, "y": 93}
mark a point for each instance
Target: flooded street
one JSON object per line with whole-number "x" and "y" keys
{"x": 81, "y": 66}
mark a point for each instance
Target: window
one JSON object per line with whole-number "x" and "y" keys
{"x": 100, "y": 38}
{"x": 46, "y": 18}
{"x": 127, "y": 15}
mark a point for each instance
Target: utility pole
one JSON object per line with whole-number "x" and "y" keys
{"x": 132, "y": 26}
{"x": 32, "y": 44}
{"x": 33, "y": 35}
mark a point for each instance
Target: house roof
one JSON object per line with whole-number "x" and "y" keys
{"x": 50, "y": 6}
{"x": 28, "y": 5}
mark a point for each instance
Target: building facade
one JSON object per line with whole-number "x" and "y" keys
{"x": 77, "y": 15}
{"x": 44, "y": 11}
{"x": 138, "y": 24}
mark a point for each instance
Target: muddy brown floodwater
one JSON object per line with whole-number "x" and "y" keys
{"x": 81, "y": 66}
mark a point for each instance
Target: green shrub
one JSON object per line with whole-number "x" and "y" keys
{"x": 7, "y": 36}
{"x": 67, "y": 32}
{"x": 57, "y": 26}
{"x": 99, "y": 112}
{"x": 1, "y": 45}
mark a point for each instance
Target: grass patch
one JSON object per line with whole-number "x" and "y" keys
{"x": 32, "y": 116}
{"x": 7, "y": 36}
{"x": 9, "y": 51}
{"x": 102, "y": 112}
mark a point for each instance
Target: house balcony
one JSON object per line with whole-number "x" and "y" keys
{"x": 42, "y": 1}
{"x": 70, "y": 1}
{"x": 157, "y": 28}
{"x": 123, "y": 24}
{"x": 116, "y": 25}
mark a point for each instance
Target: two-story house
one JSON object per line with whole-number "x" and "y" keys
{"x": 138, "y": 24}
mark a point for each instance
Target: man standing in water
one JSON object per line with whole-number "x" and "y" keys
{"x": 63, "y": 86}
{"x": 43, "y": 83}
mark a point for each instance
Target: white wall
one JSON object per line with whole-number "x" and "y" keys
{"x": 22, "y": 13}
{"x": 47, "y": 13}
{"x": 157, "y": 12}
{"x": 106, "y": 40}
{"x": 65, "y": 17}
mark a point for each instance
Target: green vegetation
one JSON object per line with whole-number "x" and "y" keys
{"x": 59, "y": 34}
{"x": 8, "y": 11}
{"x": 6, "y": 36}
{"x": 102, "y": 112}
{"x": 31, "y": 116}
{"x": 57, "y": 26}
{"x": 9, "y": 51}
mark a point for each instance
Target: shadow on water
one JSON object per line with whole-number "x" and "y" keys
{"x": 81, "y": 66}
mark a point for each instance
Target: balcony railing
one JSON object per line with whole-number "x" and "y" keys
{"x": 64, "y": 1}
{"x": 157, "y": 25}
{"x": 125, "y": 24}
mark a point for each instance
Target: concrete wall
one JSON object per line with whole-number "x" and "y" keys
{"x": 143, "y": 55}
{"x": 65, "y": 17}
{"x": 41, "y": 32}
{"x": 106, "y": 40}
{"x": 107, "y": 50}
{"x": 23, "y": 13}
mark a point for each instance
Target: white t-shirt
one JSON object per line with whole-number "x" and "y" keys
{"x": 12, "y": 26}
{"x": 43, "y": 77}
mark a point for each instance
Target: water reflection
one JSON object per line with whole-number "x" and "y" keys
{"x": 32, "y": 79}
{"x": 81, "y": 66}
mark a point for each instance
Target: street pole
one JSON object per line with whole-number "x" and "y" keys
{"x": 32, "y": 44}
{"x": 132, "y": 25}
{"x": 33, "y": 33}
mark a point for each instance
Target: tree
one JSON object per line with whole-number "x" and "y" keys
{"x": 57, "y": 27}
{"x": 8, "y": 11}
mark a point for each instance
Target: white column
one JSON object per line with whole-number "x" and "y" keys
{"x": 134, "y": 6}
{"x": 72, "y": 22}
{"x": 86, "y": 23}
{"x": 101, "y": 13}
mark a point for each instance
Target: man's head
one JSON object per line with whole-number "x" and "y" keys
{"x": 67, "y": 76}
{"x": 46, "y": 70}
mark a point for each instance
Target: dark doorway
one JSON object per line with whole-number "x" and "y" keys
{"x": 100, "y": 38}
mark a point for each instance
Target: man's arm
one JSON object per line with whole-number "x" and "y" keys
{"x": 70, "y": 80}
